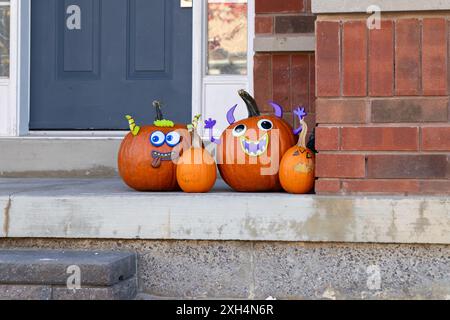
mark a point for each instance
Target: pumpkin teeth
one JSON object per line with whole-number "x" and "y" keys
{"x": 255, "y": 148}
{"x": 164, "y": 156}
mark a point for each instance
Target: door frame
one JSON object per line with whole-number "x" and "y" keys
{"x": 199, "y": 58}
{"x": 16, "y": 115}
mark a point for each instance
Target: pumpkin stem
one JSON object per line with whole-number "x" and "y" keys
{"x": 302, "y": 138}
{"x": 159, "y": 114}
{"x": 252, "y": 106}
{"x": 196, "y": 139}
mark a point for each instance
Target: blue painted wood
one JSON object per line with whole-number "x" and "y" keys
{"x": 126, "y": 54}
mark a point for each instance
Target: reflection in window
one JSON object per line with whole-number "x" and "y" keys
{"x": 227, "y": 37}
{"x": 4, "y": 38}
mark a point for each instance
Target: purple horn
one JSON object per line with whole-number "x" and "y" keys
{"x": 278, "y": 109}
{"x": 230, "y": 115}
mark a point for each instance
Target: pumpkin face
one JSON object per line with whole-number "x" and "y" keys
{"x": 148, "y": 155}
{"x": 297, "y": 170}
{"x": 297, "y": 165}
{"x": 251, "y": 149}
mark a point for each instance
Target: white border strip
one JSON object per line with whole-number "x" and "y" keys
{"x": 360, "y": 6}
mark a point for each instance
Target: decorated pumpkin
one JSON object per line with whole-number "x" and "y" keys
{"x": 297, "y": 165}
{"x": 148, "y": 155}
{"x": 250, "y": 150}
{"x": 196, "y": 169}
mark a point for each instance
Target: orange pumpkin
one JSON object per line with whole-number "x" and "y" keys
{"x": 251, "y": 149}
{"x": 297, "y": 166}
{"x": 148, "y": 155}
{"x": 196, "y": 169}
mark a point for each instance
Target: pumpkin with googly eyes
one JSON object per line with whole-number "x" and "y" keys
{"x": 251, "y": 149}
{"x": 148, "y": 155}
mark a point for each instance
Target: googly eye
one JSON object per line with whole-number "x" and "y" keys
{"x": 265, "y": 124}
{"x": 157, "y": 138}
{"x": 173, "y": 138}
{"x": 239, "y": 130}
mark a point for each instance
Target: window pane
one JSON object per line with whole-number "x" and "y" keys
{"x": 4, "y": 40}
{"x": 227, "y": 37}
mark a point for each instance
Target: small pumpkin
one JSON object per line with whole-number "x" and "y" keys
{"x": 251, "y": 149}
{"x": 196, "y": 169}
{"x": 148, "y": 155}
{"x": 297, "y": 166}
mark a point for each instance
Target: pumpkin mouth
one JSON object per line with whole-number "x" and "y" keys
{"x": 255, "y": 148}
{"x": 161, "y": 156}
{"x": 164, "y": 156}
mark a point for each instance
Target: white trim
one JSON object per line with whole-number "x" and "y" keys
{"x": 199, "y": 78}
{"x": 360, "y": 6}
{"x": 78, "y": 134}
{"x": 16, "y": 112}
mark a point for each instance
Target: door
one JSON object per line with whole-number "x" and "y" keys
{"x": 95, "y": 61}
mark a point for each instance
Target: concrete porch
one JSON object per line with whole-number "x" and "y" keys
{"x": 229, "y": 245}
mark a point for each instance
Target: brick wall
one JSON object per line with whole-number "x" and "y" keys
{"x": 383, "y": 105}
{"x": 285, "y": 77}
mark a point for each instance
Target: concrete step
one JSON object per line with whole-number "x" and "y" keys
{"x": 54, "y": 274}
{"x": 107, "y": 209}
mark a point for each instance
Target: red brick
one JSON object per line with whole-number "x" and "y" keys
{"x": 407, "y": 57}
{"x": 327, "y": 55}
{"x": 411, "y": 166}
{"x": 434, "y": 57}
{"x": 380, "y": 186}
{"x": 263, "y": 25}
{"x": 354, "y": 58}
{"x": 281, "y": 71}
{"x": 287, "y": 116}
{"x": 308, "y": 5}
{"x": 263, "y": 80}
{"x": 410, "y": 110}
{"x": 380, "y": 139}
{"x": 271, "y": 6}
{"x": 435, "y": 187}
{"x": 300, "y": 81}
{"x": 340, "y": 166}
{"x": 312, "y": 83}
{"x": 436, "y": 139}
{"x": 381, "y": 60}
{"x": 327, "y": 186}
{"x": 327, "y": 138}
{"x": 341, "y": 111}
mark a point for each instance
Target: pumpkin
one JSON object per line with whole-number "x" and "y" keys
{"x": 148, "y": 155}
{"x": 196, "y": 169}
{"x": 251, "y": 149}
{"x": 297, "y": 165}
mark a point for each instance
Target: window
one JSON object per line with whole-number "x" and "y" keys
{"x": 227, "y": 37}
{"x": 4, "y": 38}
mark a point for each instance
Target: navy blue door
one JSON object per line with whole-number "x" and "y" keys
{"x": 94, "y": 61}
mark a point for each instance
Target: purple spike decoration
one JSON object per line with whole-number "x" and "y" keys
{"x": 277, "y": 108}
{"x": 301, "y": 114}
{"x": 230, "y": 115}
{"x": 209, "y": 124}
